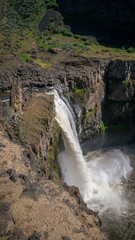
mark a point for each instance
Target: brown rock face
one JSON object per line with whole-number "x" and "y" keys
{"x": 121, "y": 90}
{"x": 87, "y": 95}
{"x": 123, "y": 70}
{"x": 101, "y": 94}
{"x": 32, "y": 207}
{"x": 37, "y": 127}
{"x": 98, "y": 90}
{"x": 121, "y": 81}
{"x": 16, "y": 96}
{"x": 120, "y": 95}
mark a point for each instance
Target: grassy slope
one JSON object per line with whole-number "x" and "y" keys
{"x": 19, "y": 35}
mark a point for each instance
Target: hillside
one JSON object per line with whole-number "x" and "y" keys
{"x": 28, "y": 28}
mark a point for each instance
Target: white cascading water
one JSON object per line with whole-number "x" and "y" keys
{"x": 96, "y": 176}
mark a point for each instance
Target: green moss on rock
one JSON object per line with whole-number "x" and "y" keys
{"x": 79, "y": 93}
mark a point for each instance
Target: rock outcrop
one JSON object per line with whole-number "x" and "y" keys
{"x": 120, "y": 93}
{"x": 121, "y": 81}
{"x": 100, "y": 92}
{"x": 102, "y": 95}
{"x": 33, "y": 207}
{"x": 40, "y": 131}
{"x": 16, "y": 96}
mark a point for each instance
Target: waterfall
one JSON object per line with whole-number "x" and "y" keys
{"x": 97, "y": 176}
{"x": 76, "y": 173}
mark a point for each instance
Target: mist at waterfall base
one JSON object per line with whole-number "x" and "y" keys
{"x": 103, "y": 177}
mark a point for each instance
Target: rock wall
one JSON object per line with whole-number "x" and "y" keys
{"x": 86, "y": 101}
{"x": 29, "y": 73}
{"x": 107, "y": 99}
{"x": 16, "y": 96}
{"x": 120, "y": 94}
{"x": 100, "y": 92}
{"x": 37, "y": 128}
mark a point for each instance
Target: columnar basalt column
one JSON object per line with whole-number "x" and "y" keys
{"x": 16, "y": 96}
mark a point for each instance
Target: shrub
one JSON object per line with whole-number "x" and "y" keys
{"x": 76, "y": 36}
{"x": 79, "y": 93}
{"x": 84, "y": 38}
{"x": 64, "y": 31}
{"x": 8, "y": 111}
{"x": 54, "y": 44}
{"x": 68, "y": 46}
{"x": 104, "y": 128}
{"x": 88, "y": 42}
{"x": 131, "y": 50}
{"x": 52, "y": 5}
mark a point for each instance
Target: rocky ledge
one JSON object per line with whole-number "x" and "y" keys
{"x": 34, "y": 207}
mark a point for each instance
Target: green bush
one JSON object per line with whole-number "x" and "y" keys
{"x": 8, "y": 111}
{"x": 104, "y": 128}
{"x": 131, "y": 50}
{"x": 51, "y": 4}
{"x": 63, "y": 31}
{"x": 54, "y": 44}
{"x": 84, "y": 38}
{"x": 68, "y": 46}
{"x": 88, "y": 42}
{"x": 76, "y": 36}
{"x": 79, "y": 93}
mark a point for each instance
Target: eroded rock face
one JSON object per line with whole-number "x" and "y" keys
{"x": 121, "y": 90}
{"x": 108, "y": 89}
{"x": 33, "y": 207}
{"x": 120, "y": 94}
{"x": 16, "y": 96}
{"x": 123, "y": 70}
{"x": 87, "y": 104}
{"x": 121, "y": 81}
{"x": 37, "y": 127}
{"x": 108, "y": 96}
{"x": 29, "y": 73}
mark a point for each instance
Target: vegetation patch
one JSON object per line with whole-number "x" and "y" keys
{"x": 126, "y": 81}
{"x": 131, "y": 50}
{"x": 20, "y": 32}
{"x": 113, "y": 127}
{"x": 104, "y": 128}
{"x": 79, "y": 93}
{"x": 8, "y": 111}
{"x": 91, "y": 111}
{"x": 121, "y": 81}
{"x": 64, "y": 31}
{"x": 27, "y": 56}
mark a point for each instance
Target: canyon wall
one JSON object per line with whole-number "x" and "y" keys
{"x": 101, "y": 92}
